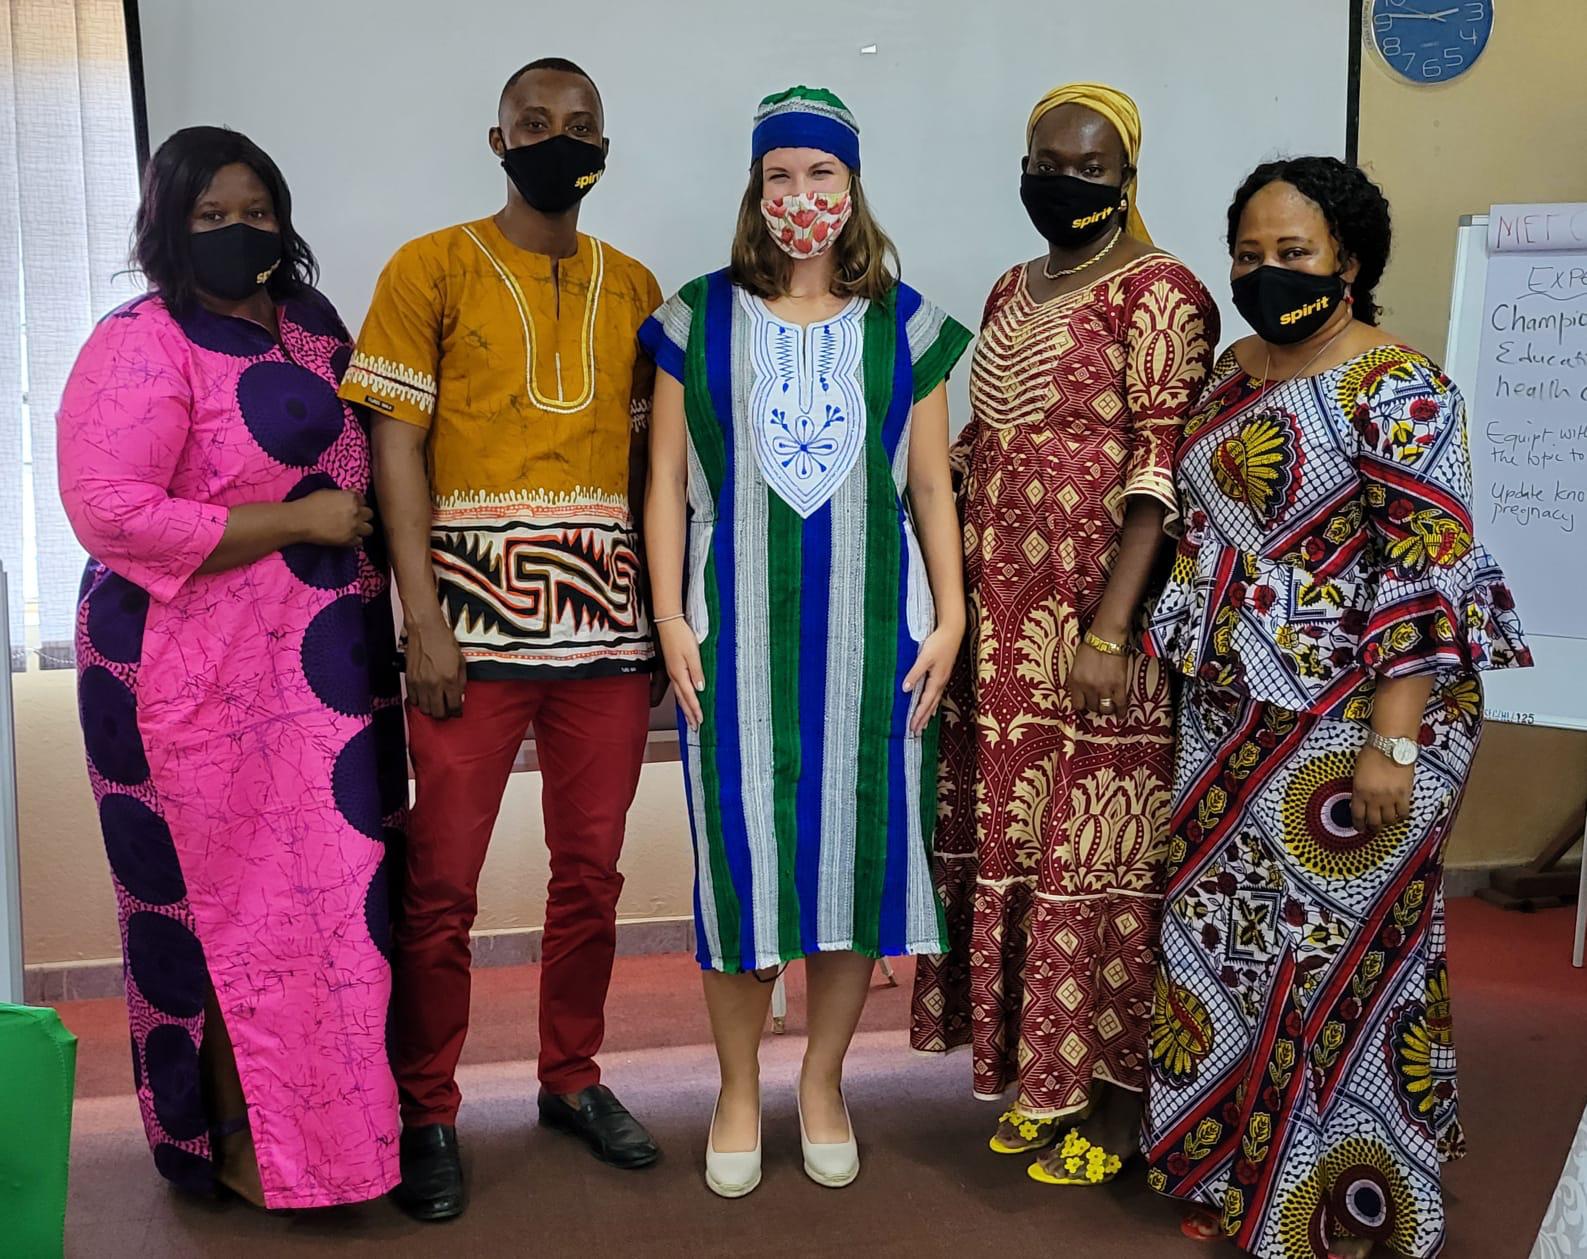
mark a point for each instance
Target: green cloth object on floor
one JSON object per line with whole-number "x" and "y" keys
{"x": 38, "y": 1073}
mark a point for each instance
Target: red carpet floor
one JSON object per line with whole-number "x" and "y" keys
{"x": 929, "y": 1186}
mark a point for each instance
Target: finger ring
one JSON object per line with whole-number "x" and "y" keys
{"x": 1105, "y": 704}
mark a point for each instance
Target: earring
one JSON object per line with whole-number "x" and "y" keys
{"x": 1124, "y": 202}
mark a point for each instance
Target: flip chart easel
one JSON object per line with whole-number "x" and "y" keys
{"x": 1518, "y": 345}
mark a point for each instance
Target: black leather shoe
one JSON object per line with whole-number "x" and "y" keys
{"x": 602, "y": 1123}
{"x": 432, "y": 1173}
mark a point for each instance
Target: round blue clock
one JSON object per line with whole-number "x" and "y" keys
{"x": 1429, "y": 41}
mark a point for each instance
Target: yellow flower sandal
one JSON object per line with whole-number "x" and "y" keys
{"x": 1078, "y": 1163}
{"x": 1018, "y": 1133}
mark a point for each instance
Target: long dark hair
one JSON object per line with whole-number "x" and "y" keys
{"x": 175, "y": 179}
{"x": 1355, "y": 208}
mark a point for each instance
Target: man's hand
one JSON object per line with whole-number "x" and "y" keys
{"x": 435, "y": 670}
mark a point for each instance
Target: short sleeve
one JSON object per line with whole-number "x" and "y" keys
{"x": 124, "y": 422}
{"x": 1171, "y": 330}
{"x": 936, "y": 342}
{"x": 1441, "y": 600}
{"x": 665, "y": 335}
{"x": 395, "y": 362}
{"x": 644, "y": 385}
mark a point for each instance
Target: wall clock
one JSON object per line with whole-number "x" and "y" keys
{"x": 1428, "y": 41}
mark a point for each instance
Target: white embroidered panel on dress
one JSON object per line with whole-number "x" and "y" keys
{"x": 807, "y": 408}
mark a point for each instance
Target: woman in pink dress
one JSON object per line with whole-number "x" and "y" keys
{"x": 239, "y": 693}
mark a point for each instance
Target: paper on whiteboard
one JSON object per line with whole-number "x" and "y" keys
{"x": 1560, "y": 228}
{"x": 1529, "y": 414}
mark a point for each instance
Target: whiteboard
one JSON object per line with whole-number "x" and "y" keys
{"x": 377, "y": 113}
{"x": 1518, "y": 348}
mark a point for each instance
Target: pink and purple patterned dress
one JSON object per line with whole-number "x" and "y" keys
{"x": 245, "y": 738}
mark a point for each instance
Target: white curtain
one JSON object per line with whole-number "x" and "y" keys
{"x": 69, "y": 184}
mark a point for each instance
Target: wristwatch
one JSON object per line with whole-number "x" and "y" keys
{"x": 1400, "y": 751}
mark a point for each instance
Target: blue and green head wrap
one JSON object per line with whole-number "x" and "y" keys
{"x": 806, "y": 118}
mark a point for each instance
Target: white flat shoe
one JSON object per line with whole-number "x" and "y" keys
{"x": 731, "y": 1175}
{"x": 831, "y": 1163}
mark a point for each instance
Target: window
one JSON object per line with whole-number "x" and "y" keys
{"x": 68, "y": 193}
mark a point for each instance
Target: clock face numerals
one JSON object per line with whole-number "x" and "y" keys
{"x": 1429, "y": 41}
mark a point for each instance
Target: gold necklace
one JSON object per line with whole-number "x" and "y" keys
{"x": 1095, "y": 258}
{"x": 1267, "y": 363}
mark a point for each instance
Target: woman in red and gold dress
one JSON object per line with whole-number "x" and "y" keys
{"x": 1057, "y": 747}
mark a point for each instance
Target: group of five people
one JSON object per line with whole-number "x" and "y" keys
{"x": 1169, "y": 854}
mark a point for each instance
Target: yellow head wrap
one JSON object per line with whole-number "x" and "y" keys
{"x": 1118, "y": 109}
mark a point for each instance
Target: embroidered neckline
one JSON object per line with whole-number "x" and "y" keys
{"x": 561, "y": 404}
{"x": 759, "y": 308}
{"x": 806, "y": 406}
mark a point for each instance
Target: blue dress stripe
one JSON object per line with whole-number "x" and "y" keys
{"x": 815, "y": 595}
{"x": 895, "y": 880}
{"x": 702, "y": 947}
{"x": 893, "y": 935}
{"x": 735, "y": 834}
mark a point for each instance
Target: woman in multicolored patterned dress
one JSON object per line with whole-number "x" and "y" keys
{"x": 804, "y": 566}
{"x": 1333, "y": 609}
{"x": 1057, "y": 748}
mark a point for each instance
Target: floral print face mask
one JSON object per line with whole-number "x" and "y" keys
{"x": 804, "y": 225}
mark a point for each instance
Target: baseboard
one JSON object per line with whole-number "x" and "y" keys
{"x": 51, "y": 983}
{"x": 518, "y": 946}
{"x": 54, "y": 982}
{"x": 1465, "y": 880}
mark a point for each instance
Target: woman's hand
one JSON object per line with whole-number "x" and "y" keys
{"x": 933, "y": 667}
{"x": 1096, "y": 676}
{"x": 681, "y": 651}
{"x": 1382, "y": 794}
{"x": 436, "y": 672}
{"x": 334, "y": 518}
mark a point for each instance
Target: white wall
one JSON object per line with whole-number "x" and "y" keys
{"x": 377, "y": 111}
{"x": 69, "y": 905}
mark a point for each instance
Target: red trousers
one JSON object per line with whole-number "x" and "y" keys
{"x": 590, "y": 736}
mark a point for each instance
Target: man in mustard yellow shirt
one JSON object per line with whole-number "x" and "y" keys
{"x": 500, "y": 360}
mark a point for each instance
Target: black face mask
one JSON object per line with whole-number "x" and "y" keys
{"x": 554, "y": 174}
{"x": 1285, "y": 306}
{"x": 1069, "y": 211}
{"x": 234, "y": 262}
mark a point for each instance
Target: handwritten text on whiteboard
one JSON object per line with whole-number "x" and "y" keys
{"x": 1528, "y": 408}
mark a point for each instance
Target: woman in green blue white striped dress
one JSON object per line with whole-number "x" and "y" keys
{"x": 805, "y": 569}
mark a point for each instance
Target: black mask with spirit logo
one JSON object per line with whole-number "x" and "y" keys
{"x": 234, "y": 262}
{"x": 554, "y": 174}
{"x": 1284, "y": 306}
{"x": 1069, "y": 211}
